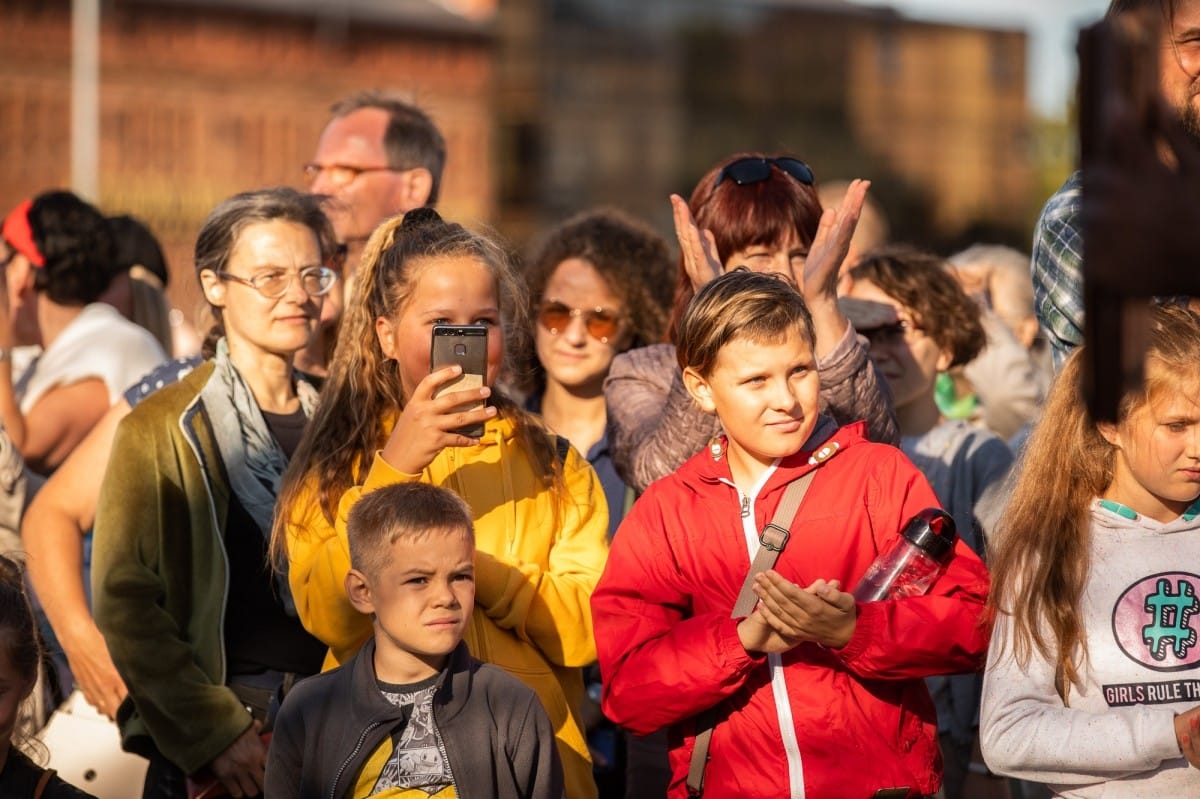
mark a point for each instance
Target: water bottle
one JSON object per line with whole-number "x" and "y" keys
{"x": 914, "y": 562}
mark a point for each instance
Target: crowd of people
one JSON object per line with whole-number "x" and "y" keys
{"x": 301, "y": 559}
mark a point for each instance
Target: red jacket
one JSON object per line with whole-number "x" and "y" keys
{"x": 861, "y": 715}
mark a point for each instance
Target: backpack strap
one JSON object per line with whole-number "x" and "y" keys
{"x": 42, "y": 782}
{"x": 771, "y": 541}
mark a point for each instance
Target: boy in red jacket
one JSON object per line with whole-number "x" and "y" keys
{"x": 808, "y": 694}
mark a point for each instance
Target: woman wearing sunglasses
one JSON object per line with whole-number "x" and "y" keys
{"x": 761, "y": 212}
{"x": 199, "y": 627}
{"x": 599, "y": 284}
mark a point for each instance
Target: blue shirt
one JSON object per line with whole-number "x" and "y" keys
{"x": 601, "y": 460}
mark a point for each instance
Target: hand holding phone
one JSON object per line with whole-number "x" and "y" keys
{"x": 465, "y": 345}
{"x": 442, "y": 399}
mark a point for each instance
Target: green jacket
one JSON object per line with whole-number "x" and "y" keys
{"x": 160, "y": 577}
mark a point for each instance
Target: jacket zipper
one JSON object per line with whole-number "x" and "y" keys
{"x": 357, "y": 747}
{"x": 446, "y": 759}
{"x": 783, "y": 710}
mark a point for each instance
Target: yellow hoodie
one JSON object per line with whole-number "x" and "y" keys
{"x": 533, "y": 581}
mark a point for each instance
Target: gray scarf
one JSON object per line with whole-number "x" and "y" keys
{"x": 253, "y": 458}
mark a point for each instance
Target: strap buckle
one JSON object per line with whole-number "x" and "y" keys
{"x": 774, "y": 537}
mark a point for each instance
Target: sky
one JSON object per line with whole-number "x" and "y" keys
{"x": 1052, "y": 27}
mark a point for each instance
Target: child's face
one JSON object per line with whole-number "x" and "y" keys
{"x": 1156, "y": 469}
{"x": 422, "y": 600}
{"x": 765, "y": 394}
{"x": 908, "y": 358}
{"x": 458, "y": 290}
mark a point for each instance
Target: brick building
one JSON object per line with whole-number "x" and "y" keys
{"x": 200, "y": 100}
{"x": 619, "y": 101}
{"x": 549, "y": 106}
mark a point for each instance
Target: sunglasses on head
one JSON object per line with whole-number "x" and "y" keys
{"x": 745, "y": 171}
{"x": 601, "y": 324}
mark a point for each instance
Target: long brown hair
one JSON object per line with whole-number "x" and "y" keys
{"x": 1040, "y": 554}
{"x": 362, "y": 392}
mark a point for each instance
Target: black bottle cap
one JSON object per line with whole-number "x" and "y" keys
{"x": 933, "y": 532}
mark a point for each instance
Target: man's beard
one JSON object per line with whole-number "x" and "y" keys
{"x": 1190, "y": 117}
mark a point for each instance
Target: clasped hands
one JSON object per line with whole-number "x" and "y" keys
{"x": 787, "y": 615}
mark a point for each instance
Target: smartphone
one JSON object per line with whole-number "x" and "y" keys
{"x": 465, "y": 345}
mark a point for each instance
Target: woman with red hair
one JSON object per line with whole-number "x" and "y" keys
{"x": 761, "y": 212}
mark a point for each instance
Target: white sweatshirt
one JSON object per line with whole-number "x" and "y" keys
{"x": 1140, "y": 611}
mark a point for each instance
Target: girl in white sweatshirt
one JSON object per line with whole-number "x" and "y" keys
{"x": 1093, "y": 676}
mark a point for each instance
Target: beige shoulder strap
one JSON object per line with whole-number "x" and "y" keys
{"x": 771, "y": 541}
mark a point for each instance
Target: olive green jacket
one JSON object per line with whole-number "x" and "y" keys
{"x": 160, "y": 577}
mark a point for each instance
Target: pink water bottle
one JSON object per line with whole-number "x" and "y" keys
{"x": 914, "y": 562}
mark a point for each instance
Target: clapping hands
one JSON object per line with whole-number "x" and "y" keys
{"x": 787, "y": 615}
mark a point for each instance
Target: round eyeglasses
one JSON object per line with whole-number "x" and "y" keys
{"x": 274, "y": 283}
{"x": 601, "y": 324}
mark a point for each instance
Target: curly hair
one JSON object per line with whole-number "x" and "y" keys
{"x": 920, "y": 282}
{"x": 631, "y": 257}
{"x": 78, "y": 248}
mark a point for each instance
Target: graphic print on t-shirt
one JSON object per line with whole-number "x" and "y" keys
{"x": 409, "y": 764}
{"x": 1155, "y": 623}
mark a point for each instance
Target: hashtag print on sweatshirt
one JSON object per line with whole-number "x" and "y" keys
{"x": 1115, "y": 736}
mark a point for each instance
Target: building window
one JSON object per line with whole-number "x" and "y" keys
{"x": 1003, "y": 66}
{"x": 887, "y": 50}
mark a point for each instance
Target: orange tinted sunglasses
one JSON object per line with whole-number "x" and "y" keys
{"x": 602, "y": 324}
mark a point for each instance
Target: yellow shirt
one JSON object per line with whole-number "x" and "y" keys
{"x": 533, "y": 578}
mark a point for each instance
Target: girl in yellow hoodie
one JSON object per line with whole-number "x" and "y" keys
{"x": 540, "y": 513}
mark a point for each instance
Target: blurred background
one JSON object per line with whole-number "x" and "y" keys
{"x": 957, "y": 110}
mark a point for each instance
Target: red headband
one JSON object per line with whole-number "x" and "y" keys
{"x": 19, "y": 234}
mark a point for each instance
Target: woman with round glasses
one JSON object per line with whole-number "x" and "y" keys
{"x": 599, "y": 284}
{"x": 201, "y": 629}
{"x": 761, "y": 212}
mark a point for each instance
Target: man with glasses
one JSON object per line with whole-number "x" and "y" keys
{"x": 1058, "y": 237}
{"x": 378, "y": 156}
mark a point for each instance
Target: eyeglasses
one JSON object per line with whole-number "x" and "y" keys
{"x": 341, "y": 174}
{"x": 601, "y": 323}
{"x": 745, "y": 171}
{"x": 274, "y": 283}
{"x": 891, "y": 334}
